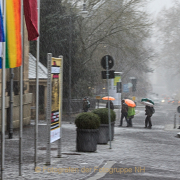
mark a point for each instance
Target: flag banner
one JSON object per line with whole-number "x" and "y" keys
{"x": 13, "y": 34}
{"x": 0, "y": 55}
{"x": 31, "y": 18}
{"x": 2, "y": 38}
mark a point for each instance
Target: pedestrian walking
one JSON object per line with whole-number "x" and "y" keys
{"x": 130, "y": 116}
{"x": 86, "y": 104}
{"x": 148, "y": 112}
{"x": 124, "y": 112}
{"x": 111, "y": 105}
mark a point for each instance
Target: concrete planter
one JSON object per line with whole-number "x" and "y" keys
{"x": 103, "y": 134}
{"x": 86, "y": 140}
{"x": 112, "y": 131}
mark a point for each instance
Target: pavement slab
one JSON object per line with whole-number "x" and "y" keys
{"x": 155, "y": 151}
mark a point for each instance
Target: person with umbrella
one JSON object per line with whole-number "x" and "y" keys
{"x": 149, "y": 111}
{"x": 124, "y": 112}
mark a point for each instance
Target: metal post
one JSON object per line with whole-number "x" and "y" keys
{"x": 120, "y": 107}
{"x": 70, "y": 50}
{"x": 179, "y": 121}
{"x": 11, "y": 105}
{"x": 3, "y": 80}
{"x": 21, "y": 92}
{"x": 48, "y": 114}
{"x": 37, "y": 91}
{"x": 174, "y": 120}
{"x": 109, "y": 117}
{"x": 60, "y": 115}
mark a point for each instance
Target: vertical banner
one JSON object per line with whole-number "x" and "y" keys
{"x": 117, "y": 79}
{"x": 56, "y": 80}
{"x": 114, "y": 89}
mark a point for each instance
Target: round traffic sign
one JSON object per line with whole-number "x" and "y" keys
{"x": 110, "y": 62}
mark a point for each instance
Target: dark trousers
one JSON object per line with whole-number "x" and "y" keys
{"x": 130, "y": 122}
{"x": 148, "y": 121}
{"x": 123, "y": 115}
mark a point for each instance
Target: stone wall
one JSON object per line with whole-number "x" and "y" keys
{"x": 27, "y": 98}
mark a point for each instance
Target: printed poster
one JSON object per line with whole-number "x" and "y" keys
{"x": 56, "y": 81}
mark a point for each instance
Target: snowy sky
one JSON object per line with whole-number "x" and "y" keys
{"x": 158, "y": 82}
{"x": 155, "y": 6}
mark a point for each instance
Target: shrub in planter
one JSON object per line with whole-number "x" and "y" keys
{"x": 104, "y": 126}
{"x": 87, "y": 120}
{"x": 87, "y": 124}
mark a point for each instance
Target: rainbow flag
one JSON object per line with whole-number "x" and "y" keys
{"x": 13, "y": 34}
{"x": 2, "y": 39}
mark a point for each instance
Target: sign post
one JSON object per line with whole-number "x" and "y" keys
{"x": 48, "y": 114}
{"x": 109, "y": 117}
{"x": 107, "y": 63}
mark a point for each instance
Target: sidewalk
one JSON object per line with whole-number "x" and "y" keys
{"x": 132, "y": 147}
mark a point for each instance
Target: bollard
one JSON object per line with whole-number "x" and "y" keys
{"x": 179, "y": 123}
{"x": 178, "y": 110}
{"x": 174, "y": 120}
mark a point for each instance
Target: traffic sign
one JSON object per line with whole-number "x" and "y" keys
{"x": 111, "y": 74}
{"x": 110, "y": 62}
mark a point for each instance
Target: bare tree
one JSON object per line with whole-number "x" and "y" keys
{"x": 168, "y": 36}
{"x": 119, "y": 28}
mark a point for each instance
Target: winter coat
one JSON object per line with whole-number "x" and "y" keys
{"x": 148, "y": 111}
{"x": 131, "y": 112}
{"x": 124, "y": 108}
{"x": 111, "y": 105}
{"x": 85, "y": 104}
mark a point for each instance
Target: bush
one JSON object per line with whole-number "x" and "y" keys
{"x": 87, "y": 120}
{"x": 103, "y": 115}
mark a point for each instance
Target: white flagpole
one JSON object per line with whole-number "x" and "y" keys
{"x": 21, "y": 91}
{"x": 3, "y": 80}
{"x": 37, "y": 89}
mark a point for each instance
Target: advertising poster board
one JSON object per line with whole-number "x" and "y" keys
{"x": 56, "y": 98}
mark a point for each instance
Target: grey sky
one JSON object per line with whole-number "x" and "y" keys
{"x": 156, "y": 5}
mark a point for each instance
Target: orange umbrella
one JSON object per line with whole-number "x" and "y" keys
{"x": 130, "y": 102}
{"x": 108, "y": 98}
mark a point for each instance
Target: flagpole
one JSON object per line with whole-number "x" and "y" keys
{"x": 3, "y": 80}
{"x": 37, "y": 90}
{"x": 21, "y": 92}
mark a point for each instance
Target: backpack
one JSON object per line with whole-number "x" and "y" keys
{"x": 88, "y": 104}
